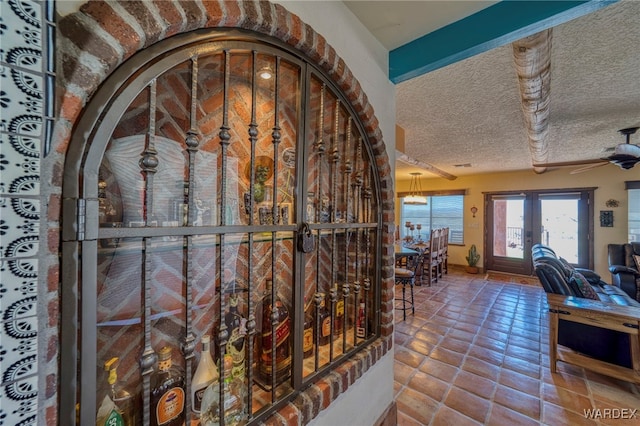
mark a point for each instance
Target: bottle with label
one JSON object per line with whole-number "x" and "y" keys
{"x": 206, "y": 373}
{"x": 308, "y": 337}
{"x": 338, "y": 322}
{"x": 361, "y": 323}
{"x": 117, "y": 407}
{"x": 234, "y": 399}
{"x": 237, "y": 329}
{"x": 325, "y": 322}
{"x": 267, "y": 309}
{"x": 167, "y": 392}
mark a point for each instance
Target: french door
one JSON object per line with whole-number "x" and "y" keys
{"x": 515, "y": 221}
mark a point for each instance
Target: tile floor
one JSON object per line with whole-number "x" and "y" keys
{"x": 476, "y": 352}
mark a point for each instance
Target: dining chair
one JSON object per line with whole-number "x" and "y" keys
{"x": 445, "y": 253}
{"x": 430, "y": 262}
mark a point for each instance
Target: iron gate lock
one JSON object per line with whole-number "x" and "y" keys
{"x": 306, "y": 239}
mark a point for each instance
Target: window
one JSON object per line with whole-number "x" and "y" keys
{"x": 633, "y": 195}
{"x": 439, "y": 212}
{"x": 226, "y": 194}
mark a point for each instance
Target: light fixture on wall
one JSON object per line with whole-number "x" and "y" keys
{"x": 415, "y": 191}
{"x": 474, "y": 210}
{"x": 265, "y": 73}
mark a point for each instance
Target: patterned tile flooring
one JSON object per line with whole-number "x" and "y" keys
{"x": 476, "y": 352}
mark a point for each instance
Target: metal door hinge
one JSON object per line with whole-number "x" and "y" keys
{"x": 74, "y": 218}
{"x": 81, "y": 218}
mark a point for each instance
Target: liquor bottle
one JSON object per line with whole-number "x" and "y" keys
{"x": 308, "y": 338}
{"x": 338, "y": 322}
{"x": 265, "y": 309}
{"x": 361, "y": 323}
{"x": 325, "y": 322}
{"x": 117, "y": 407}
{"x": 167, "y": 392}
{"x": 236, "y": 327}
{"x": 206, "y": 373}
{"x": 234, "y": 399}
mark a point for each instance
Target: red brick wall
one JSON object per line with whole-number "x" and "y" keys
{"x": 80, "y": 75}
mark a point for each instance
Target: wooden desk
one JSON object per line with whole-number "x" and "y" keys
{"x": 604, "y": 315}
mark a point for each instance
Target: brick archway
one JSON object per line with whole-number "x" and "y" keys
{"x": 94, "y": 41}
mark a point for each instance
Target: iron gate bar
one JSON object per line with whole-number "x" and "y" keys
{"x": 192, "y": 143}
{"x": 148, "y": 164}
{"x": 251, "y": 317}
{"x": 225, "y": 137}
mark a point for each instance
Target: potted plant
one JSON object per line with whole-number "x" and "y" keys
{"x": 472, "y": 260}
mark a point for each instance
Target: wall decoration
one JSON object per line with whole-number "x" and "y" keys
{"x": 612, "y": 203}
{"x": 606, "y": 218}
{"x": 26, "y": 29}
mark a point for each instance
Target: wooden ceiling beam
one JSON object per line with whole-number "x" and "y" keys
{"x": 404, "y": 158}
{"x": 532, "y": 56}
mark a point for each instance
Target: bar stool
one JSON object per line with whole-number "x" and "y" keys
{"x": 406, "y": 278}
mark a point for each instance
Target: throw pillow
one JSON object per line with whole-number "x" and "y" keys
{"x": 568, "y": 268}
{"x": 583, "y": 285}
{"x": 636, "y": 259}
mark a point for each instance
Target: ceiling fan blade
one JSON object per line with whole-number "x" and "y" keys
{"x": 588, "y": 167}
{"x": 571, "y": 163}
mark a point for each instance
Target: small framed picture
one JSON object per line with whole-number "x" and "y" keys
{"x": 606, "y": 218}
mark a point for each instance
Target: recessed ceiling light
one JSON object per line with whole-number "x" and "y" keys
{"x": 265, "y": 73}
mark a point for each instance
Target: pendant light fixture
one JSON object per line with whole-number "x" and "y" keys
{"x": 415, "y": 191}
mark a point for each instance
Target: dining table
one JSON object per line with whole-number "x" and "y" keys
{"x": 403, "y": 253}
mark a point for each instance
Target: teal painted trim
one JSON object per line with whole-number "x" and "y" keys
{"x": 494, "y": 26}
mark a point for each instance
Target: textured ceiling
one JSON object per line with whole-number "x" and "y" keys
{"x": 470, "y": 111}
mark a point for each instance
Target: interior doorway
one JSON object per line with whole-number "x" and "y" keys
{"x": 515, "y": 221}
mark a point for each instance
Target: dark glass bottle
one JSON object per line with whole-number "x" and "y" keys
{"x": 361, "y": 323}
{"x": 324, "y": 329}
{"x": 265, "y": 310}
{"x": 308, "y": 337}
{"x": 117, "y": 407}
{"x": 167, "y": 392}
{"x": 338, "y": 321}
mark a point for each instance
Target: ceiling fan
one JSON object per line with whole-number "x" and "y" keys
{"x": 626, "y": 155}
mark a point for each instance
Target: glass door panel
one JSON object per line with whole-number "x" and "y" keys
{"x": 508, "y": 219}
{"x": 559, "y": 227}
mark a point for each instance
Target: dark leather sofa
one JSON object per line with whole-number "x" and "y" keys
{"x": 558, "y": 277}
{"x": 624, "y": 271}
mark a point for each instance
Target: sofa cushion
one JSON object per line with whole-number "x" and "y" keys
{"x": 612, "y": 294}
{"x": 583, "y": 286}
{"x": 629, "y": 250}
{"x": 636, "y": 259}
